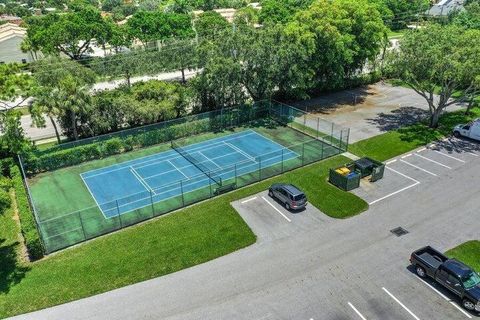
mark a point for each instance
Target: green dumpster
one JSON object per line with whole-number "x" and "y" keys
{"x": 345, "y": 177}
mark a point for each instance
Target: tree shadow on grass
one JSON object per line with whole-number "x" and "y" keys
{"x": 11, "y": 272}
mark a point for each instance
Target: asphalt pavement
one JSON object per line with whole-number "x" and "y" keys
{"x": 315, "y": 267}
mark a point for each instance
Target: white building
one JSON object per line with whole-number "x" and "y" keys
{"x": 11, "y": 37}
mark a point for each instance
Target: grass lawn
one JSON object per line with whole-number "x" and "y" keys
{"x": 185, "y": 238}
{"x": 397, "y": 142}
{"x": 396, "y": 34}
{"x": 468, "y": 252}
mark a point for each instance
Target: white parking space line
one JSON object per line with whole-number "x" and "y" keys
{"x": 406, "y": 156}
{"x": 356, "y": 311}
{"x": 398, "y": 191}
{"x": 401, "y": 304}
{"x": 449, "y": 156}
{"x": 423, "y": 149}
{"x": 460, "y": 309}
{"x": 473, "y": 154}
{"x": 433, "y": 161}
{"x": 445, "y": 297}
{"x": 419, "y": 168}
{"x": 248, "y": 200}
{"x": 286, "y": 218}
{"x": 391, "y": 161}
{"x": 402, "y": 174}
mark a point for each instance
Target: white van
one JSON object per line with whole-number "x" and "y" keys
{"x": 470, "y": 130}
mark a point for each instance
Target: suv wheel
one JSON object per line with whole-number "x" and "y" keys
{"x": 456, "y": 134}
{"x": 420, "y": 271}
{"x": 287, "y": 206}
{"x": 469, "y": 305}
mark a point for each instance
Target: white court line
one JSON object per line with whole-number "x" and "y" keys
{"x": 240, "y": 151}
{"x": 176, "y": 168}
{"x": 286, "y": 218}
{"x": 356, "y": 311}
{"x": 94, "y": 199}
{"x": 135, "y": 173}
{"x": 398, "y": 191}
{"x": 209, "y": 160}
{"x": 401, "y": 304}
{"x": 444, "y": 297}
{"x": 248, "y": 200}
{"x": 417, "y": 167}
{"x": 449, "y": 156}
{"x": 433, "y": 161}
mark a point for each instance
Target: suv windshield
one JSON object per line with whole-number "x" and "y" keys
{"x": 471, "y": 280}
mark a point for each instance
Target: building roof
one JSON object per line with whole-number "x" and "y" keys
{"x": 445, "y": 7}
{"x": 12, "y": 19}
{"x": 10, "y": 30}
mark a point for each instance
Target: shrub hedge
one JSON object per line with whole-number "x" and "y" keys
{"x": 27, "y": 221}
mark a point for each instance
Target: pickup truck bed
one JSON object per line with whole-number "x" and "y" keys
{"x": 430, "y": 259}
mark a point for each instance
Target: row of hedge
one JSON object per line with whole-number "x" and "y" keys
{"x": 27, "y": 221}
{"x": 53, "y": 159}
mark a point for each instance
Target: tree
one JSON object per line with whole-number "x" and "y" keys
{"x": 404, "y": 11}
{"x": 437, "y": 62}
{"x": 62, "y": 93}
{"x": 14, "y": 83}
{"x": 181, "y": 54}
{"x": 13, "y": 138}
{"x": 470, "y": 17}
{"x": 348, "y": 33}
{"x": 246, "y": 16}
{"x": 151, "y": 26}
{"x": 71, "y": 33}
{"x": 281, "y": 11}
{"x": 209, "y": 24}
{"x": 109, "y": 5}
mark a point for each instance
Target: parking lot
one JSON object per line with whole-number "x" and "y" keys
{"x": 420, "y": 167}
{"x": 269, "y": 220}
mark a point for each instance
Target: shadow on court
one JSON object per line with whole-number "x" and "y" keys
{"x": 11, "y": 272}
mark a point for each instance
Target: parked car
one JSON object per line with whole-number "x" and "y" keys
{"x": 289, "y": 195}
{"x": 452, "y": 274}
{"x": 470, "y": 130}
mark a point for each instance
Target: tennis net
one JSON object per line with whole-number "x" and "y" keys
{"x": 196, "y": 163}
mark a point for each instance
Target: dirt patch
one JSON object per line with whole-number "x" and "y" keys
{"x": 23, "y": 255}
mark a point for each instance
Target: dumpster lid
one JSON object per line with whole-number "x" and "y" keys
{"x": 364, "y": 163}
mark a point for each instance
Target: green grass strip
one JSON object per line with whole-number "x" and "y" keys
{"x": 468, "y": 252}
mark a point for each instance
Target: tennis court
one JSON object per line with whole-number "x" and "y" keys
{"x": 138, "y": 183}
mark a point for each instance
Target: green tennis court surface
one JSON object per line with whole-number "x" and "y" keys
{"x": 138, "y": 183}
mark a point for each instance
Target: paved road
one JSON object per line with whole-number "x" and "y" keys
{"x": 314, "y": 267}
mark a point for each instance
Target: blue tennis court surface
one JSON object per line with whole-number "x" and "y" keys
{"x": 134, "y": 184}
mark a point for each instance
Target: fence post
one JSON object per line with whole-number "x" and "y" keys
{"x": 331, "y": 135}
{"x": 181, "y": 190}
{"x": 81, "y": 224}
{"x": 210, "y": 186}
{"x": 318, "y": 126}
{"x": 341, "y": 139}
{"x": 305, "y": 119}
{"x": 282, "y": 160}
{"x": 151, "y": 202}
{"x": 348, "y": 138}
{"x": 321, "y": 156}
{"x": 119, "y": 215}
{"x": 259, "y": 169}
{"x": 236, "y": 181}
{"x": 303, "y": 154}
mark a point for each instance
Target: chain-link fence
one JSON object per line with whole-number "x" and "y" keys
{"x": 321, "y": 140}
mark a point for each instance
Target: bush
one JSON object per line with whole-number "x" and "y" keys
{"x": 27, "y": 221}
{"x": 112, "y": 146}
{"x": 5, "y": 201}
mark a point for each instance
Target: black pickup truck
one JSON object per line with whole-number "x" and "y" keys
{"x": 457, "y": 277}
